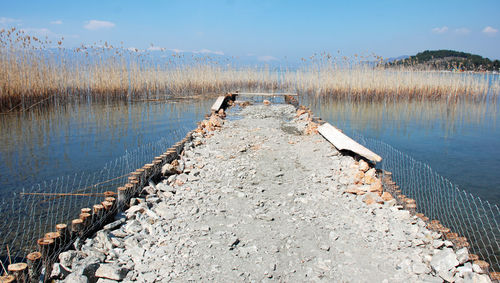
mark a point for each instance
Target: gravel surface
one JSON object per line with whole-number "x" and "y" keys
{"x": 260, "y": 201}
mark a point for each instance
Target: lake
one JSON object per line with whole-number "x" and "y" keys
{"x": 459, "y": 140}
{"x": 68, "y": 149}
{"x": 44, "y": 144}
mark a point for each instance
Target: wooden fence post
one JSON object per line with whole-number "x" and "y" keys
{"x": 34, "y": 260}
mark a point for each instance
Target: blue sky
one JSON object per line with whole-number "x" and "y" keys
{"x": 267, "y": 29}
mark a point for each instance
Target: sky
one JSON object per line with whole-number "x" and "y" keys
{"x": 268, "y": 30}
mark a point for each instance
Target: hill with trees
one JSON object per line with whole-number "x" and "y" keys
{"x": 448, "y": 60}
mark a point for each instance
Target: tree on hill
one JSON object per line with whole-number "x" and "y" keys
{"x": 448, "y": 60}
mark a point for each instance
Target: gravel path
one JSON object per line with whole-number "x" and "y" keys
{"x": 260, "y": 201}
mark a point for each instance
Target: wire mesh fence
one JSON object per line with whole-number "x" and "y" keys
{"x": 28, "y": 214}
{"x": 438, "y": 198}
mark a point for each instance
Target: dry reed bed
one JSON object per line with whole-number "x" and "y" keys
{"x": 31, "y": 74}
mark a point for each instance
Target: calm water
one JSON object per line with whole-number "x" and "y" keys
{"x": 460, "y": 140}
{"x": 45, "y": 144}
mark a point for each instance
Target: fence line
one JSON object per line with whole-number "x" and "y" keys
{"x": 438, "y": 198}
{"x": 30, "y": 213}
{"x": 27, "y": 215}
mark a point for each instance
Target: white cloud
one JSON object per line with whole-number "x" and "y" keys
{"x": 95, "y": 25}
{"x": 440, "y": 29}
{"x": 490, "y": 30}
{"x": 4, "y": 20}
{"x": 462, "y": 31}
{"x": 267, "y": 58}
{"x": 57, "y": 22}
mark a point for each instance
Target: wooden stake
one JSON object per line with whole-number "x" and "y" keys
{"x": 473, "y": 257}
{"x": 62, "y": 228}
{"x": 34, "y": 266}
{"x": 20, "y": 271}
{"x": 451, "y": 236}
{"x": 443, "y": 230}
{"x": 148, "y": 170}
{"x": 495, "y": 276}
{"x": 7, "y": 278}
{"x": 76, "y": 228}
{"x": 8, "y": 254}
{"x": 46, "y": 249}
{"x": 157, "y": 165}
{"x": 136, "y": 185}
{"x": 122, "y": 197}
{"x": 86, "y": 219}
{"x": 56, "y": 237}
{"x": 130, "y": 189}
{"x": 107, "y": 211}
{"x": 142, "y": 177}
{"x": 98, "y": 212}
{"x": 137, "y": 174}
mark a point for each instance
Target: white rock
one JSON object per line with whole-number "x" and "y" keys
{"x": 437, "y": 244}
{"x": 420, "y": 268}
{"x": 66, "y": 258}
{"x": 477, "y": 278}
{"x": 133, "y": 210}
{"x": 391, "y": 202}
{"x": 370, "y": 172}
{"x": 171, "y": 179}
{"x": 182, "y": 178}
{"x": 465, "y": 269}
{"x": 168, "y": 169}
{"x": 164, "y": 211}
{"x": 58, "y": 271}
{"x": 448, "y": 244}
{"x": 363, "y": 166}
{"x": 114, "y": 225}
{"x": 402, "y": 214}
{"x": 76, "y": 278}
{"x": 462, "y": 255}
{"x": 133, "y": 227}
{"x": 111, "y": 271}
{"x": 477, "y": 268}
{"x": 444, "y": 260}
{"x": 446, "y": 275}
{"x": 418, "y": 242}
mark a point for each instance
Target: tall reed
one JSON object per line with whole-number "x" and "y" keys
{"x": 34, "y": 73}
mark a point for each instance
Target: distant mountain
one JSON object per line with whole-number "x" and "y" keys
{"x": 393, "y": 59}
{"x": 447, "y": 60}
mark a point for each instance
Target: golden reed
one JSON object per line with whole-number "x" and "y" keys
{"x": 33, "y": 74}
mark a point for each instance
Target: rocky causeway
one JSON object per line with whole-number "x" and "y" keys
{"x": 264, "y": 198}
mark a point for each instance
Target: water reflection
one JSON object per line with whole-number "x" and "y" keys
{"x": 44, "y": 144}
